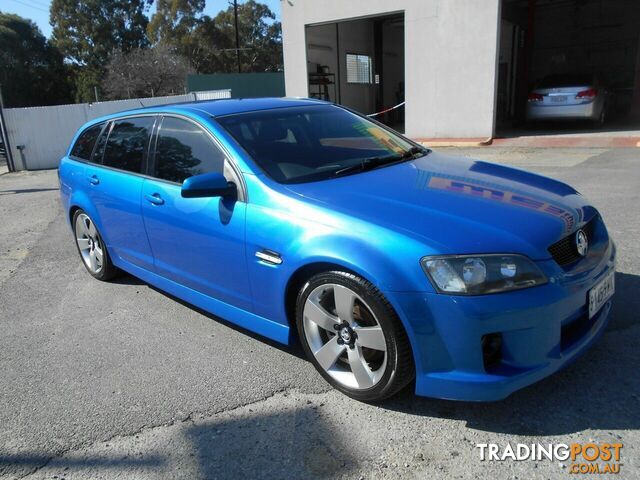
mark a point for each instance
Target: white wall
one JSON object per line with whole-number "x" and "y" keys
{"x": 450, "y": 58}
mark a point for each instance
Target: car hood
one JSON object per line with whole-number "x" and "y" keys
{"x": 458, "y": 205}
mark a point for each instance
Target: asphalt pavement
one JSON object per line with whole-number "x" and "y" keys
{"x": 119, "y": 380}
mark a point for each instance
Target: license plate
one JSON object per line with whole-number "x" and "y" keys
{"x": 602, "y": 292}
{"x": 558, "y": 98}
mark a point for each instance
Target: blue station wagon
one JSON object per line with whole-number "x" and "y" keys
{"x": 304, "y": 221}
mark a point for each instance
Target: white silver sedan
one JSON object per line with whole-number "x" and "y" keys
{"x": 568, "y": 97}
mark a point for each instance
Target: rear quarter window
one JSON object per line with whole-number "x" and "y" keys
{"x": 127, "y": 143}
{"x": 84, "y": 144}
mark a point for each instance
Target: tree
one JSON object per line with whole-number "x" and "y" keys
{"x": 181, "y": 24}
{"x": 146, "y": 72}
{"x": 32, "y": 71}
{"x": 260, "y": 40}
{"x": 210, "y": 44}
{"x": 88, "y": 31}
{"x": 85, "y": 80}
{"x": 175, "y": 21}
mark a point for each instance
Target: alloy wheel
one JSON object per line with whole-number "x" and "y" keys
{"x": 89, "y": 243}
{"x": 344, "y": 336}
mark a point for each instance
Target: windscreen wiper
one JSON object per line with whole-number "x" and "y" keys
{"x": 367, "y": 164}
{"x": 374, "y": 162}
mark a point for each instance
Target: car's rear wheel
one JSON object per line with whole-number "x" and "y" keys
{"x": 353, "y": 336}
{"x": 91, "y": 247}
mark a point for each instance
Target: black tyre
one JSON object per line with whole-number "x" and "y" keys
{"x": 353, "y": 336}
{"x": 92, "y": 250}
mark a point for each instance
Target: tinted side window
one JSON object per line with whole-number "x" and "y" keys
{"x": 87, "y": 139}
{"x": 127, "y": 143}
{"x": 183, "y": 150}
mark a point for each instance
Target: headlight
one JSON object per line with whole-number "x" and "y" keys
{"x": 480, "y": 274}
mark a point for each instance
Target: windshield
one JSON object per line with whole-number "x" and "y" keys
{"x": 303, "y": 144}
{"x": 566, "y": 80}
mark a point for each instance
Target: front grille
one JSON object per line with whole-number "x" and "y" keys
{"x": 564, "y": 251}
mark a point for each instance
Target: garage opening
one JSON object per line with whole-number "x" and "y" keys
{"x": 359, "y": 64}
{"x": 568, "y": 66}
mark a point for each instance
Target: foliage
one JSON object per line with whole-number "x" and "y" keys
{"x": 31, "y": 69}
{"x": 179, "y": 23}
{"x": 86, "y": 81}
{"x": 175, "y": 21}
{"x": 210, "y": 43}
{"x": 93, "y": 37}
{"x": 146, "y": 72}
{"x": 87, "y": 31}
{"x": 260, "y": 41}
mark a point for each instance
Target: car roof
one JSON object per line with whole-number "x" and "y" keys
{"x": 216, "y": 108}
{"x": 230, "y": 106}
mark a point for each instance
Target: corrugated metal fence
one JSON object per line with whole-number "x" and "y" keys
{"x": 40, "y": 136}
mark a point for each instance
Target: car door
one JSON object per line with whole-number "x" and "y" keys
{"x": 197, "y": 242}
{"x": 114, "y": 185}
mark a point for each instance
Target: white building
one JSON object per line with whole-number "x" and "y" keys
{"x": 463, "y": 66}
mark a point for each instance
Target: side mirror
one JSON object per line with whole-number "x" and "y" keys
{"x": 208, "y": 185}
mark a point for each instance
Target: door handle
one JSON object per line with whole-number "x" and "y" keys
{"x": 93, "y": 180}
{"x": 156, "y": 199}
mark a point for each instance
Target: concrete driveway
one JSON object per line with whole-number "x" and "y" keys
{"x": 118, "y": 380}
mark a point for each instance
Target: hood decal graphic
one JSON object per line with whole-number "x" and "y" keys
{"x": 495, "y": 192}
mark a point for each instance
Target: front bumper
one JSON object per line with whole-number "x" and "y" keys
{"x": 542, "y": 330}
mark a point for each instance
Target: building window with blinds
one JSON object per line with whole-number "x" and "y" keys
{"x": 359, "y": 68}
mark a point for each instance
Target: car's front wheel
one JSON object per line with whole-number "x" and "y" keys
{"x": 353, "y": 336}
{"x": 91, "y": 247}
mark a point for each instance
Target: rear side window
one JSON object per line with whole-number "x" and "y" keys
{"x": 87, "y": 139}
{"x": 183, "y": 150}
{"x": 127, "y": 143}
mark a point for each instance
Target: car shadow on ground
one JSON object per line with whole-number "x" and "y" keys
{"x": 127, "y": 279}
{"x": 295, "y": 443}
{"x": 601, "y": 390}
{"x": 295, "y": 349}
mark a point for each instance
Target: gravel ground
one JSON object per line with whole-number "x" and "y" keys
{"x": 121, "y": 381}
